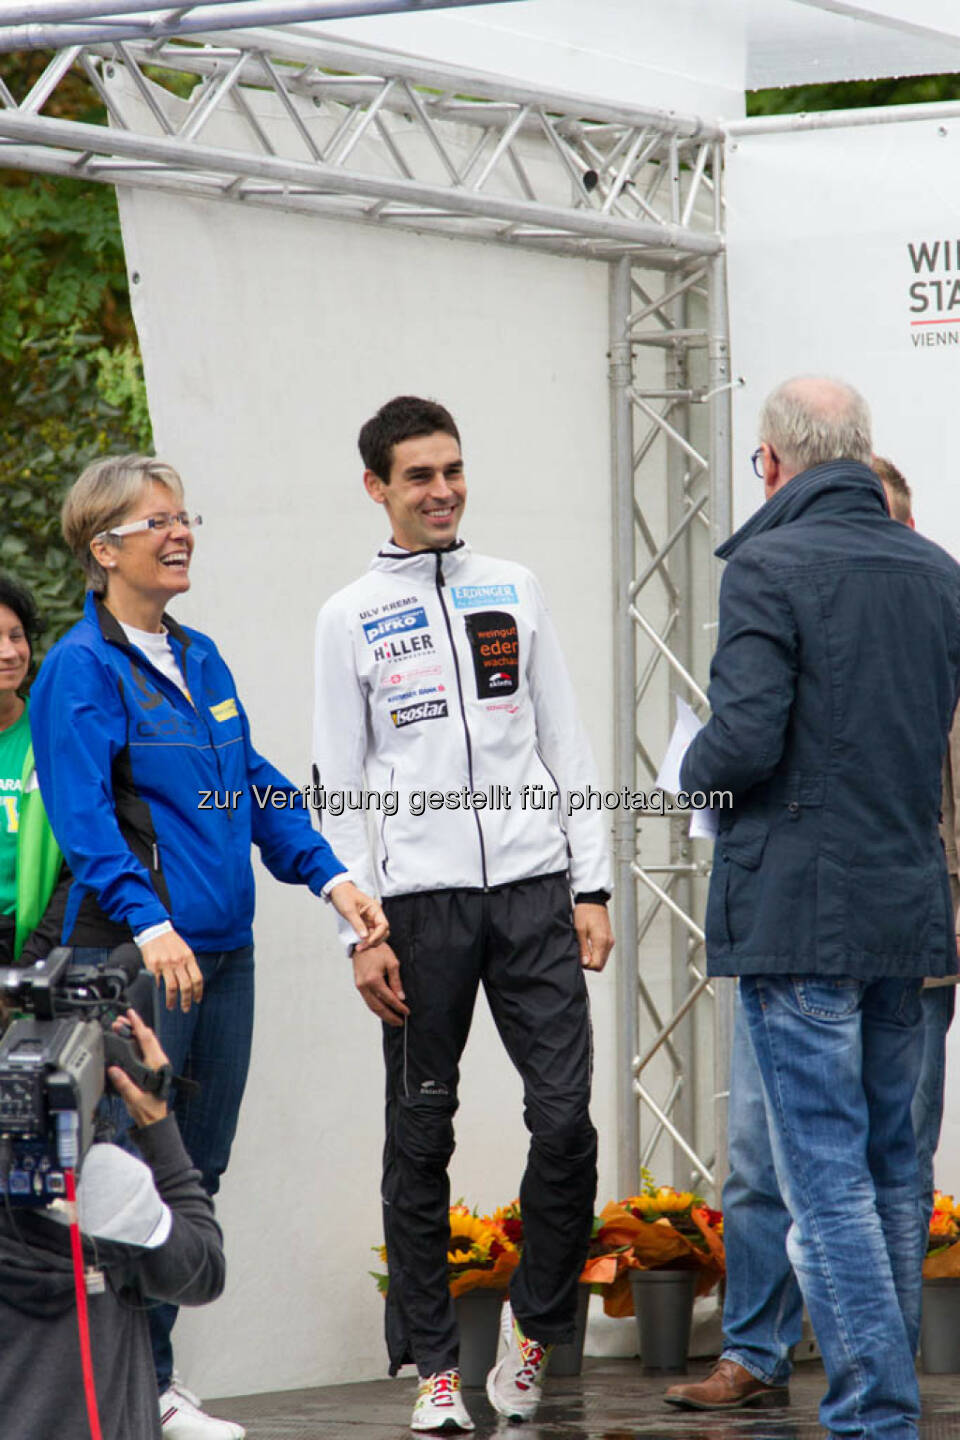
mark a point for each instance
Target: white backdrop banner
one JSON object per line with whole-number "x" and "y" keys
{"x": 268, "y": 338}
{"x": 844, "y": 259}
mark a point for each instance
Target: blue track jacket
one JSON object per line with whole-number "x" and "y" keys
{"x": 130, "y": 772}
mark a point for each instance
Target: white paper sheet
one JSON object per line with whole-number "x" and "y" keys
{"x": 703, "y": 823}
{"x": 668, "y": 776}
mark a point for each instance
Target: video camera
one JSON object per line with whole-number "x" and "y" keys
{"x": 53, "y": 1060}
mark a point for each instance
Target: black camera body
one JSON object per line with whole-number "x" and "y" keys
{"x": 53, "y": 1060}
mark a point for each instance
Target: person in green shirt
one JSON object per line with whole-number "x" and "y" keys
{"x": 32, "y": 878}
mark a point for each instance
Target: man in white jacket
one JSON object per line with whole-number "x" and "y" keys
{"x": 444, "y": 705}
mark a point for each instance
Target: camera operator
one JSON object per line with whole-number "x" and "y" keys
{"x": 149, "y": 1233}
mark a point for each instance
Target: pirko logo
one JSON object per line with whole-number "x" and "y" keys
{"x": 397, "y": 624}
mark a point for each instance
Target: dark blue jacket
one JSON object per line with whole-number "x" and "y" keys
{"x": 832, "y": 689}
{"x": 130, "y": 773}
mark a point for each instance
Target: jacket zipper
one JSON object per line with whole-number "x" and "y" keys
{"x": 441, "y": 582}
{"x": 383, "y": 829}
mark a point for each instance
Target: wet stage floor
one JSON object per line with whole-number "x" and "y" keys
{"x": 611, "y": 1400}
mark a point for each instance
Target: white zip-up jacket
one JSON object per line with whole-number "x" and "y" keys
{"x": 442, "y": 694}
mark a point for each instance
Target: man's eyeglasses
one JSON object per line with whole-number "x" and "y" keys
{"x": 756, "y": 460}
{"x": 162, "y": 523}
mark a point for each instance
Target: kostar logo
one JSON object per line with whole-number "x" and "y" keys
{"x": 413, "y": 714}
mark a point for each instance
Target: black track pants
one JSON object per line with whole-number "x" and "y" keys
{"x": 518, "y": 942}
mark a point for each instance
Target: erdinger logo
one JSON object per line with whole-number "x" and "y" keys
{"x": 413, "y": 714}
{"x": 495, "y": 646}
{"x": 466, "y": 597}
{"x": 398, "y": 624}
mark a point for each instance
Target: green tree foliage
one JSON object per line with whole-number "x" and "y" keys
{"x": 854, "y": 94}
{"x": 71, "y": 384}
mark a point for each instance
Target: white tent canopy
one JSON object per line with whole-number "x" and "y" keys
{"x": 688, "y": 55}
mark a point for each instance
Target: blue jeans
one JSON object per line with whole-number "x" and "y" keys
{"x": 762, "y": 1304}
{"x": 763, "y": 1307}
{"x": 838, "y": 1061}
{"x": 210, "y": 1044}
{"x": 927, "y": 1111}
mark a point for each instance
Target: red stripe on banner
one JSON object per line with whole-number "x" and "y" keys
{"x": 952, "y": 320}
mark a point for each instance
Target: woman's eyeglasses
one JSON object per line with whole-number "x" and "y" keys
{"x": 162, "y": 523}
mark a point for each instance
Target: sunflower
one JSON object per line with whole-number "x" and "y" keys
{"x": 664, "y": 1200}
{"x": 470, "y": 1237}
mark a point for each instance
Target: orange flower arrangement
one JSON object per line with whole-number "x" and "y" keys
{"x": 943, "y": 1239}
{"x": 508, "y": 1221}
{"x": 661, "y": 1228}
{"x": 944, "y": 1222}
{"x": 480, "y": 1254}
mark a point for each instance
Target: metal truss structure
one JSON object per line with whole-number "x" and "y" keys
{"x": 50, "y": 24}
{"x": 398, "y": 143}
{"x": 670, "y": 397}
{"x": 345, "y": 131}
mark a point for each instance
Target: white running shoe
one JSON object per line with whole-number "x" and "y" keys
{"x": 181, "y": 1417}
{"x": 440, "y": 1405}
{"x": 514, "y": 1386}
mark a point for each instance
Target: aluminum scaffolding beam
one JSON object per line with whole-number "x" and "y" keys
{"x": 83, "y": 22}
{"x": 670, "y": 402}
{"x": 379, "y": 139}
{"x": 343, "y": 131}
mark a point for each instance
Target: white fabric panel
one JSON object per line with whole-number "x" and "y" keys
{"x": 685, "y": 56}
{"x": 267, "y": 340}
{"x": 695, "y": 56}
{"x": 827, "y": 276}
{"x": 821, "y": 227}
{"x": 808, "y": 42}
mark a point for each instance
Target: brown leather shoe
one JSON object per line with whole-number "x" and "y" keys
{"x": 728, "y": 1387}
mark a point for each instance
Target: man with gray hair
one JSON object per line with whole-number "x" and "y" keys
{"x": 833, "y": 687}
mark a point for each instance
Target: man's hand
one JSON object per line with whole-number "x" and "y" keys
{"x": 363, "y": 913}
{"x": 145, "y": 1109}
{"x": 592, "y": 925}
{"x": 376, "y": 972}
{"x": 170, "y": 959}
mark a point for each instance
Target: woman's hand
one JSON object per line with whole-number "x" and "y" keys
{"x": 363, "y": 913}
{"x": 144, "y": 1108}
{"x": 170, "y": 959}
